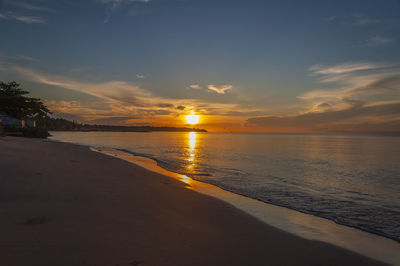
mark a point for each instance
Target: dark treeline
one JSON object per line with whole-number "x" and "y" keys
{"x": 60, "y": 124}
{"x": 15, "y": 103}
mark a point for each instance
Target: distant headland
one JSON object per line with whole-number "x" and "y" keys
{"x": 60, "y": 124}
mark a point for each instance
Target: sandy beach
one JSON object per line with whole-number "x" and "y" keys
{"x": 63, "y": 204}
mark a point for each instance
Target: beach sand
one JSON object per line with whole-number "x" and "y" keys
{"x": 63, "y": 204}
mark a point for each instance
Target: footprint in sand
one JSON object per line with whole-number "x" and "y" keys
{"x": 38, "y": 220}
{"x": 137, "y": 262}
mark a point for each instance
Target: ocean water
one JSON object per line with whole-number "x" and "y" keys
{"x": 352, "y": 180}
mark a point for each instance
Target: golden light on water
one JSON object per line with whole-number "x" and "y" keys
{"x": 191, "y": 138}
{"x": 192, "y": 119}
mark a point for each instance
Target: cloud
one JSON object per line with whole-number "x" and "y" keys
{"x": 112, "y": 6}
{"x": 362, "y": 20}
{"x": 17, "y": 57}
{"x": 70, "y": 117}
{"x": 92, "y": 113}
{"x": 345, "y": 68}
{"x": 321, "y": 107}
{"x": 76, "y": 111}
{"x": 349, "y": 104}
{"x": 244, "y": 113}
{"x": 219, "y": 89}
{"x": 73, "y": 107}
{"x": 141, "y": 76}
{"x": 120, "y": 2}
{"x": 116, "y": 98}
{"x": 26, "y": 58}
{"x": 389, "y": 83}
{"x": 31, "y": 7}
{"x": 382, "y": 118}
{"x": 113, "y": 120}
{"x": 26, "y": 19}
{"x": 165, "y": 105}
{"x": 353, "y": 80}
{"x": 378, "y": 41}
{"x": 195, "y": 86}
{"x": 331, "y": 18}
{"x": 112, "y": 90}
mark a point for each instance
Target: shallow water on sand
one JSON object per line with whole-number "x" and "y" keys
{"x": 352, "y": 180}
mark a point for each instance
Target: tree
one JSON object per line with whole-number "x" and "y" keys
{"x": 14, "y": 103}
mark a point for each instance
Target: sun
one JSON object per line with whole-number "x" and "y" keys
{"x": 192, "y": 119}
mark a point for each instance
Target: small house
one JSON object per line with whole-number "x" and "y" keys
{"x": 30, "y": 123}
{"x": 9, "y": 121}
{"x": 6, "y": 120}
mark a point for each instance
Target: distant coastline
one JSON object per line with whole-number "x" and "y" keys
{"x": 100, "y": 128}
{"x": 60, "y": 124}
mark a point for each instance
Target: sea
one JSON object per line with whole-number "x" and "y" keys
{"x": 353, "y": 180}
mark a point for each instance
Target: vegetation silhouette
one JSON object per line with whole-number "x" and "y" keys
{"x": 60, "y": 124}
{"x": 15, "y": 104}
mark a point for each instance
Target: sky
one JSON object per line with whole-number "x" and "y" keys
{"x": 243, "y": 66}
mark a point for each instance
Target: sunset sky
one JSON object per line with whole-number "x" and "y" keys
{"x": 256, "y": 66}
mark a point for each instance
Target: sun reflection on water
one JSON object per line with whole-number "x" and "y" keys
{"x": 191, "y": 138}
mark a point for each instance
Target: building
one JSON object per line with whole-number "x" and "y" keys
{"x": 30, "y": 123}
{"x": 6, "y": 120}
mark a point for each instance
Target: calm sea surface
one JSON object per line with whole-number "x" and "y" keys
{"x": 353, "y": 180}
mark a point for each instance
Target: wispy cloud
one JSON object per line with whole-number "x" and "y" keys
{"x": 112, "y": 6}
{"x": 354, "y": 79}
{"x": 112, "y": 90}
{"x": 219, "y": 89}
{"x": 349, "y": 104}
{"x": 362, "y": 20}
{"x": 116, "y": 3}
{"x": 30, "y": 6}
{"x": 112, "y": 120}
{"x": 214, "y": 88}
{"x": 345, "y": 68}
{"x": 27, "y": 58}
{"x": 73, "y": 110}
{"x": 141, "y": 76}
{"x": 118, "y": 98}
{"x": 378, "y": 41}
{"x": 195, "y": 86}
{"x": 17, "y": 57}
{"x": 26, "y": 19}
{"x": 331, "y": 18}
{"x": 383, "y": 118}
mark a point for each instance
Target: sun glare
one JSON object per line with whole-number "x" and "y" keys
{"x": 192, "y": 119}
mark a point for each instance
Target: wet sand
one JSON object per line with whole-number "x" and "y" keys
{"x": 63, "y": 204}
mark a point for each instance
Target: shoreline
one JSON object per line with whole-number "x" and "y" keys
{"x": 336, "y": 200}
{"x": 164, "y": 167}
{"x": 304, "y": 225}
{"x": 63, "y": 204}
